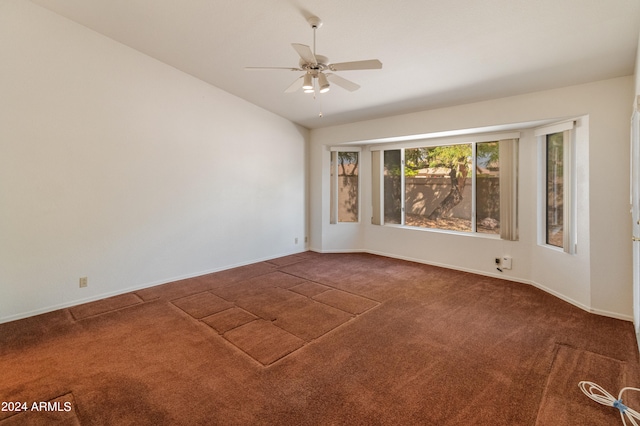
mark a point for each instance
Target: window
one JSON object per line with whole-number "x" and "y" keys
{"x": 456, "y": 187}
{"x": 438, "y": 187}
{"x": 555, "y": 199}
{"x": 392, "y": 187}
{"x": 345, "y": 197}
{"x": 488, "y": 187}
{"x": 554, "y": 189}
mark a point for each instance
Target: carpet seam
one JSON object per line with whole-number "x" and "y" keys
{"x": 77, "y": 320}
{"x": 331, "y": 287}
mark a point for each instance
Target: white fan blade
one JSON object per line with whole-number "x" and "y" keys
{"x": 305, "y": 53}
{"x": 342, "y": 82}
{"x": 271, "y": 68}
{"x": 296, "y": 85}
{"x": 371, "y": 64}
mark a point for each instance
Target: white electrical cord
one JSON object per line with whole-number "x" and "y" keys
{"x": 601, "y": 396}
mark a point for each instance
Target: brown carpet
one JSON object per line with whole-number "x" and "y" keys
{"x": 563, "y": 403}
{"x": 318, "y": 339}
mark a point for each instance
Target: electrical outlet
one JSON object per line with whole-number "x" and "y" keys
{"x": 296, "y": 240}
{"x": 84, "y": 281}
{"x": 497, "y": 261}
{"x": 306, "y": 239}
{"x": 506, "y": 262}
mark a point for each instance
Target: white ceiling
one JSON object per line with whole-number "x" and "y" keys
{"x": 435, "y": 53}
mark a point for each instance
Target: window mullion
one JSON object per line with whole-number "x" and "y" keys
{"x": 473, "y": 186}
{"x": 568, "y": 195}
{"x": 333, "y": 189}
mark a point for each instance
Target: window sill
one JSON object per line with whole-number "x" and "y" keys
{"x": 445, "y": 231}
{"x": 554, "y": 248}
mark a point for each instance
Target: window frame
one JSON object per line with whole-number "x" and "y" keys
{"x": 474, "y": 139}
{"x": 473, "y": 168}
{"x": 569, "y": 194}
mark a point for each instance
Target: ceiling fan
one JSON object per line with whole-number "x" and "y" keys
{"x": 316, "y": 67}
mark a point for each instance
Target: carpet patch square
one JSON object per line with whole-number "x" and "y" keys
{"x": 228, "y": 319}
{"x": 263, "y": 341}
{"x": 105, "y": 305}
{"x": 255, "y": 286}
{"x": 309, "y": 288}
{"x": 236, "y": 291}
{"x": 564, "y": 403}
{"x": 202, "y": 304}
{"x": 311, "y": 319}
{"x": 346, "y": 301}
{"x": 271, "y": 302}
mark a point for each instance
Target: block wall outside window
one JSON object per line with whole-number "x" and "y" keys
{"x": 345, "y": 186}
{"x": 392, "y": 187}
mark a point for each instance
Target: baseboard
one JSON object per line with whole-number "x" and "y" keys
{"x": 582, "y": 305}
{"x": 340, "y": 251}
{"x": 493, "y": 275}
{"x": 135, "y": 288}
{"x": 612, "y": 314}
{"x": 447, "y": 266}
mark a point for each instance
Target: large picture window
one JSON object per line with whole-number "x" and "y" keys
{"x": 436, "y": 191}
{"x": 457, "y": 187}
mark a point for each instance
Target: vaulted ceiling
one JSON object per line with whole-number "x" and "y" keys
{"x": 435, "y": 53}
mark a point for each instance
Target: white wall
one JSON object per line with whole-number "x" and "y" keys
{"x": 117, "y": 167}
{"x": 597, "y": 278}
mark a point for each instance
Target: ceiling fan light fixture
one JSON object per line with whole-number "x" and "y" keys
{"x": 323, "y": 83}
{"x": 308, "y": 82}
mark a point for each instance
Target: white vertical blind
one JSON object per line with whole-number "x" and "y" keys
{"x": 333, "y": 201}
{"x": 509, "y": 189}
{"x": 568, "y": 194}
{"x": 376, "y": 188}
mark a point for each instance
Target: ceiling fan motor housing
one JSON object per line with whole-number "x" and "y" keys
{"x": 321, "y": 65}
{"x": 314, "y": 21}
